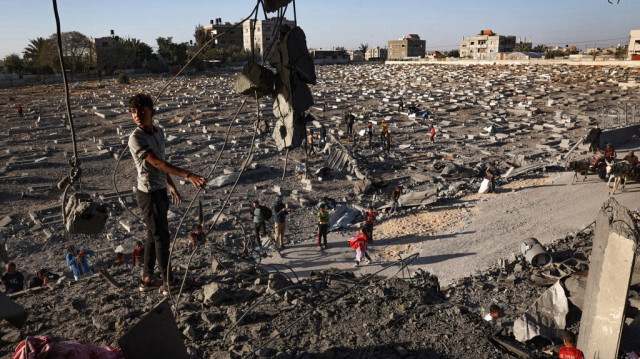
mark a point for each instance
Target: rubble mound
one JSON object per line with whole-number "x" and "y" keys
{"x": 234, "y": 309}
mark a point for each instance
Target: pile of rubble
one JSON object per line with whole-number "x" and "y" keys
{"x": 524, "y": 116}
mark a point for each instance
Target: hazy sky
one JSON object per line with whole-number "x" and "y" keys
{"x": 330, "y": 23}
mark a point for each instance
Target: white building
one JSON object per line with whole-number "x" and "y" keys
{"x": 264, "y": 34}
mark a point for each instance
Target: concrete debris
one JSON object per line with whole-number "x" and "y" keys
{"x": 342, "y": 216}
{"x": 544, "y": 317}
{"x": 12, "y": 312}
{"x": 155, "y": 336}
{"x": 223, "y": 180}
{"x": 611, "y": 263}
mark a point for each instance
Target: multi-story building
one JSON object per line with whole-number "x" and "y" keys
{"x": 486, "y": 45}
{"x": 108, "y": 55}
{"x": 633, "y": 53}
{"x": 408, "y": 46}
{"x": 376, "y": 53}
{"x": 264, "y": 34}
{"x": 231, "y": 38}
{"x": 325, "y": 57}
{"x": 355, "y": 55}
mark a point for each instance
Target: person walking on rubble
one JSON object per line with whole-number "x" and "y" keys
{"x": 370, "y": 132}
{"x": 350, "y": 120}
{"x": 384, "y": 128}
{"x": 280, "y": 211}
{"x": 491, "y": 174}
{"x": 594, "y": 139}
{"x": 432, "y": 133}
{"x": 401, "y": 105}
{"x": 323, "y": 227}
{"x": 260, "y": 215}
{"x": 147, "y": 147}
{"x": 359, "y": 243}
{"x": 369, "y": 218}
{"x": 20, "y": 111}
{"x": 311, "y": 150}
{"x": 395, "y": 195}
{"x": 323, "y": 137}
{"x": 387, "y": 143}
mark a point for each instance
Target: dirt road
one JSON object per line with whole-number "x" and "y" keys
{"x": 475, "y": 233}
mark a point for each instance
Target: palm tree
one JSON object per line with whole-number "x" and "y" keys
{"x": 521, "y": 47}
{"x": 364, "y": 48}
{"x": 35, "y": 48}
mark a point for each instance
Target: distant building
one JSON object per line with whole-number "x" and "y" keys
{"x": 485, "y": 45}
{"x": 376, "y": 53}
{"x": 634, "y": 45}
{"x": 589, "y": 50}
{"x": 264, "y": 34}
{"x": 108, "y": 55}
{"x": 231, "y": 38}
{"x": 355, "y": 55}
{"x": 408, "y": 46}
{"x": 325, "y": 57}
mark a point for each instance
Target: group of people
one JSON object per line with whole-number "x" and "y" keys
{"x": 13, "y": 280}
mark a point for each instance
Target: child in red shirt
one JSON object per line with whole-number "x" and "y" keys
{"x": 359, "y": 243}
{"x": 569, "y": 351}
{"x": 138, "y": 254}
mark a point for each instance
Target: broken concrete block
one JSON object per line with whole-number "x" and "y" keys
{"x": 544, "y": 317}
{"x": 610, "y": 267}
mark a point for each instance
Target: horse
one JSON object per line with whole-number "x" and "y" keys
{"x": 581, "y": 166}
{"x": 618, "y": 172}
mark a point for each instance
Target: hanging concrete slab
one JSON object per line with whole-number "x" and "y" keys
{"x": 611, "y": 263}
{"x": 155, "y": 336}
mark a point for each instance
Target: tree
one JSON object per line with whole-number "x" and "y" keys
{"x": 75, "y": 47}
{"x": 34, "y": 56}
{"x": 34, "y": 49}
{"x": 621, "y": 52}
{"x": 13, "y": 64}
{"x": 171, "y": 52}
{"x": 201, "y": 36}
{"x": 364, "y": 48}
{"x": 594, "y": 54}
{"x": 454, "y": 53}
{"x": 539, "y": 48}
{"x": 522, "y": 47}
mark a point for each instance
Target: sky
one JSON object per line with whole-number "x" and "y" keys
{"x": 332, "y": 23}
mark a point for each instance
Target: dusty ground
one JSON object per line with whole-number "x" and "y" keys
{"x": 462, "y": 234}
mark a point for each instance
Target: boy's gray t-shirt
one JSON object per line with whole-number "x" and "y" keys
{"x": 140, "y": 144}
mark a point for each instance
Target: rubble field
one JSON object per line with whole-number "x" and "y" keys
{"x": 438, "y": 263}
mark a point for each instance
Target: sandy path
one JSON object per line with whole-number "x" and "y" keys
{"x": 456, "y": 241}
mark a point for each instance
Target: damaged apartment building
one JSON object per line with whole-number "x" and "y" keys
{"x": 488, "y": 45}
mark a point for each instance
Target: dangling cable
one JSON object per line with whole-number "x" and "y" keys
{"x": 295, "y": 16}
{"x": 191, "y": 204}
{"x": 74, "y": 173}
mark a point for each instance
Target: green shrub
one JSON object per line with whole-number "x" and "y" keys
{"x": 123, "y": 78}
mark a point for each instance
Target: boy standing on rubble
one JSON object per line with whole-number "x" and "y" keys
{"x": 432, "y": 133}
{"x": 147, "y": 146}
{"x": 491, "y": 174}
{"x": 323, "y": 227}
{"x": 369, "y": 218}
{"x": 569, "y": 351}
{"x": 370, "y": 132}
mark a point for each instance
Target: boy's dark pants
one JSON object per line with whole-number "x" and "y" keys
{"x": 154, "y": 208}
